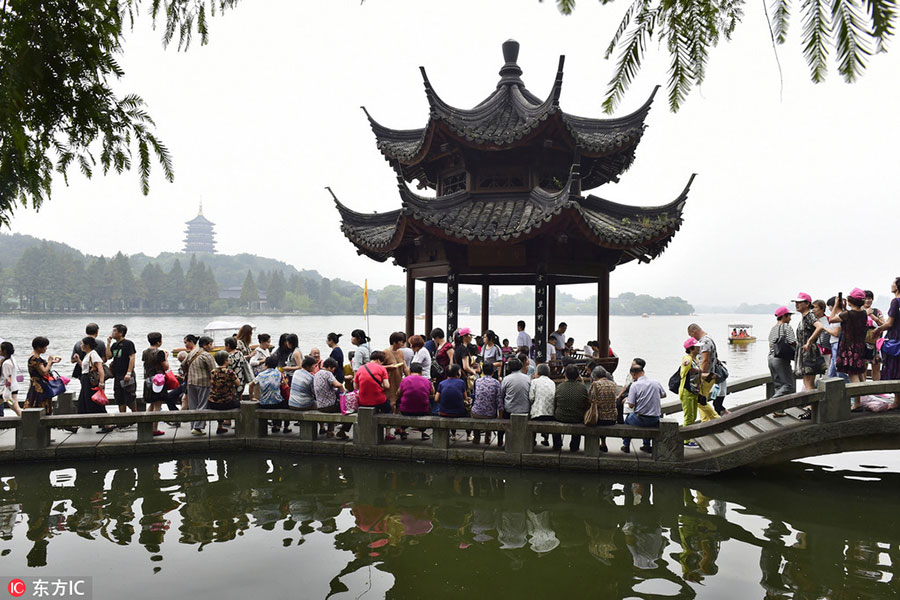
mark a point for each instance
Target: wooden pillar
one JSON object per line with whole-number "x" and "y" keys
{"x": 551, "y": 307}
{"x": 485, "y": 306}
{"x": 410, "y": 303}
{"x": 429, "y": 307}
{"x": 452, "y": 305}
{"x": 603, "y": 313}
{"x": 540, "y": 317}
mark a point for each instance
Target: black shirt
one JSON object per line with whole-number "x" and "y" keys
{"x": 338, "y": 355}
{"x": 121, "y": 353}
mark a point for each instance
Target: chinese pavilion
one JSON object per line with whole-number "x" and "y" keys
{"x": 200, "y": 235}
{"x": 509, "y": 177}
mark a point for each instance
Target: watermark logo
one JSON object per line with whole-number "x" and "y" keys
{"x": 16, "y": 588}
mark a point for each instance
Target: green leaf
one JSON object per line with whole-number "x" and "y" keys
{"x": 851, "y": 38}
{"x": 816, "y": 38}
{"x": 781, "y": 14}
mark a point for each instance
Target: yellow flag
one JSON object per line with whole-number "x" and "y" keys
{"x": 366, "y": 297}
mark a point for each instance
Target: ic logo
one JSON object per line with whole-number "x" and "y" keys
{"x": 16, "y": 588}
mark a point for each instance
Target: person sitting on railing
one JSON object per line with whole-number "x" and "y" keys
{"x": 328, "y": 390}
{"x": 602, "y": 396}
{"x": 223, "y": 387}
{"x": 570, "y": 402}
{"x": 452, "y": 394}
{"x": 487, "y": 400}
{"x": 414, "y": 394}
{"x": 267, "y": 386}
{"x": 514, "y": 392}
{"x": 540, "y": 396}
{"x": 371, "y": 380}
{"x": 644, "y": 397}
{"x": 303, "y": 395}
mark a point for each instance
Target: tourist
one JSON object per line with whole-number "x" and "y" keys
{"x": 156, "y": 394}
{"x": 821, "y": 334}
{"x": 779, "y": 359}
{"x": 328, "y": 394}
{"x": 200, "y": 365}
{"x": 808, "y": 361}
{"x": 290, "y": 358}
{"x": 93, "y": 378}
{"x": 689, "y": 388}
{"x": 490, "y": 351}
{"x": 876, "y": 320}
{"x": 38, "y": 369}
{"x": 514, "y": 390}
{"x": 303, "y": 394}
{"x": 444, "y": 357}
{"x": 527, "y": 364}
{"x": 570, "y": 403}
{"x": 333, "y": 340}
{"x": 407, "y": 351}
{"x": 506, "y": 348}
{"x": 569, "y": 350}
{"x": 451, "y": 395}
{"x": 420, "y": 354}
{"x": 435, "y": 341}
{"x": 317, "y": 355}
{"x": 92, "y": 330}
{"x": 267, "y": 386}
{"x": 851, "y": 356}
{"x": 710, "y": 371}
{"x": 223, "y": 388}
{"x": 602, "y": 397}
{"x": 396, "y": 365}
{"x": 890, "y": 369}
{"x": 148, "y": 360}
{"x": 371, "y": 380}
{"x": 244, "y": 337}
{"x": 523, "y": 340}
{"x": 591, "y": 350}
{"x": 540, "y": 395}
{"x": 558, "y": 340}
{"x": 123, "y": 354}
{"x": 9, "y": 379}
{"x": 237, "y": 362}
{"x": 462, "y": 353}
{"x": 414, "y": 395}
{"x": 363, "y": 352}
{"x": 486, "y": 403}
{"x": 262, "y": 351}
{"x": 644, "y": 397}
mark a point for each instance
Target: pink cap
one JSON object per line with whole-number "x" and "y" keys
{"x": 690, "y": 343}
{"x": 802, "y": 297}
{"x": 858, "y": 294}
{"x": 781, "y": 311}
{"x": 465, "y": 331}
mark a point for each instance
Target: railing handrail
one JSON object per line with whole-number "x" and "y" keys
{"x": 750, "y": 412}
{"x": 173, "y": 416}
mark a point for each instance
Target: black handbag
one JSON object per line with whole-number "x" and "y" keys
{"x": 782, "y": 348}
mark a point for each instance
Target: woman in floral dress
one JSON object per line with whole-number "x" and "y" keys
{"x": 851, "y": 357}
{"x": 38, "y": 368}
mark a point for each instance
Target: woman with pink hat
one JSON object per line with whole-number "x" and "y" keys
{"x": 688, "y": 390}
{"x": 851, "y": 356}
{"x": 809, "y": 361}
{"x": 782, "y": 343}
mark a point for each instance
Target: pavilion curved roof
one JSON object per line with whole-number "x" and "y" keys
{"x": 512, "y": 115}
{"x": 641, "y": 233}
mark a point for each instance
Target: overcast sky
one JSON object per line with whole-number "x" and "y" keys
{"x": 794, "y": 192}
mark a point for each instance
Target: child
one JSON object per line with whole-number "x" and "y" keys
{"x": 223, "y": 387}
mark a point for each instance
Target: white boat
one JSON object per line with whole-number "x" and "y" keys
{"x": 220, "y": 329}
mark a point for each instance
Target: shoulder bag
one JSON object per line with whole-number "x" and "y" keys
{"x": 782, "y": 348}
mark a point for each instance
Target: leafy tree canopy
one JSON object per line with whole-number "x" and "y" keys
{"x": 58, "y": 61}
{"x": 851, "y": 30}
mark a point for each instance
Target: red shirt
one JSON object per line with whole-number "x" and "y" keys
{"x": 370, "y": 391}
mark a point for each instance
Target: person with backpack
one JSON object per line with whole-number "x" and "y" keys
{"x": 712, "y": 371}
{"x": 687, "y": 386}
{"x": 782, "y": 343}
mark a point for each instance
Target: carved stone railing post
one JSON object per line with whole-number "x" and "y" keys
{"x": 367, "y": 432}
{"x": 518, "y": 440}
{"x": 144, "y": 431}
{"x": 668, "y": 447}
{"x": 835, "y": 406}
{"x": 249, "y": 425}
{"x": 65, "y": 404}
{"x": 30, "y": 434}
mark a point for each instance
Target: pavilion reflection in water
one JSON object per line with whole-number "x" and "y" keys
{"x": 406, "y": 519}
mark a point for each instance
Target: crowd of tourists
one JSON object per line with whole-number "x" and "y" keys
{"x": 838, "y": 337}
{"x": 480, "y": 377}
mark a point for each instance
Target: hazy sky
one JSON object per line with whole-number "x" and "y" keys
{"x": 794, "y": 188}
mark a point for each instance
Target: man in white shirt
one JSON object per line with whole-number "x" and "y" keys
{"x": 523, "y": 340}
{"x": 558, "y": 338}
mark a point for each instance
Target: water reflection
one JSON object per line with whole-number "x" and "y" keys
{"x": 812, "y": 533}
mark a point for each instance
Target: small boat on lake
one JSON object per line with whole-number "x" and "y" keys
{"x": 740, "y": 333}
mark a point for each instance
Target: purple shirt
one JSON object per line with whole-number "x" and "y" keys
{"x": 414, "y": 393}
{"x": 487, "y": 397}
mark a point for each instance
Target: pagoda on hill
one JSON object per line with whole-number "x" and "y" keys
{"x": 200, "y": 235}
{"x": 509, "y": 176}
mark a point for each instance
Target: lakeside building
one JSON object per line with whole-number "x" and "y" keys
{"x": 200, "y": 235}
{"x": 508, "y": 209}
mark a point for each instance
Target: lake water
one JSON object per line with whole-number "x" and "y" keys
{"x": 657, "y": 339}
{"x": 254, "y": 525}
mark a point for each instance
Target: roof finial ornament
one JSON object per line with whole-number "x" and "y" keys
{"x": 511, "y": 72}
{"x": 200, "y": 212}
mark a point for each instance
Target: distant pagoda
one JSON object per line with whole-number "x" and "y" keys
{"x": 200, "y": 235}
